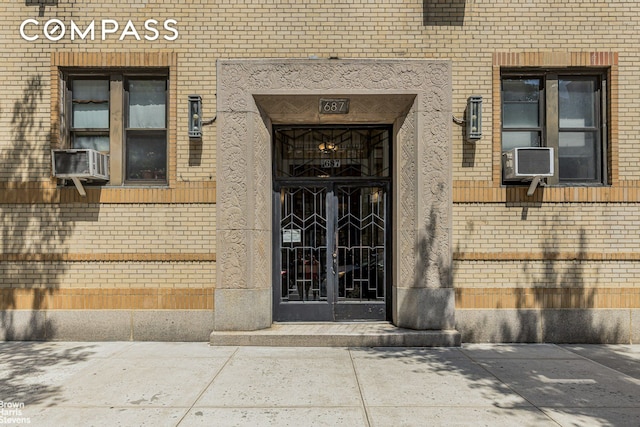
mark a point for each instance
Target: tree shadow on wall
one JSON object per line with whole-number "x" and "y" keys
{"x": 433, "y": 270}
{"x": 430, "y": 255}
{"x": 559, "y": 287}
{"x": 33, "y": 232}
{"x": 554, "y": 304}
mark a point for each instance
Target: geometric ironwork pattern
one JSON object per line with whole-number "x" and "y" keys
{"x": 303, "y": 228}
{"x": 332, "y": 152}
{"x": 333, "y": 235}
{"x": 361, "y": 231}
{"x": 332, "y": 243}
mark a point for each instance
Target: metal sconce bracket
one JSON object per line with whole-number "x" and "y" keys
{"x": 473, "y": 118}
{"x": 195, "y": 116}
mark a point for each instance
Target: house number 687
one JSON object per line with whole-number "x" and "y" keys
{"x": 334, "y": 106}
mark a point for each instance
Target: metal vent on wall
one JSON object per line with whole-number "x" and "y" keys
{"x": 80, "y": 165}
{"x": 526, "y": 163}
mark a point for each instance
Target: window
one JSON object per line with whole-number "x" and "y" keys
{"x": 563, "y": 111}
{"x": 146, "y": 133}
{"x": 123, "y": 114}
{"x": 90, "y": 114}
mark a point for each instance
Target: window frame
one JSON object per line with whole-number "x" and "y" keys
{"x": 550, "y": 120}
{"x": 85, "y": 131}
{"x": 127, "y": 130}
{"x": 118, "y": 117}
{"x": 540, "y": 129}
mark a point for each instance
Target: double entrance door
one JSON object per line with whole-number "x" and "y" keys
{"x": 332, "y": 251}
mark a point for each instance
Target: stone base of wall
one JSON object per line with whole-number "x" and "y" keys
{"x": 601, "y": 326}
{"x": 594, "y": 326}
{"x": 106, "y": 325}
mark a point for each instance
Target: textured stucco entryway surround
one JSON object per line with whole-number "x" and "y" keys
{"x": 414, "y": 96}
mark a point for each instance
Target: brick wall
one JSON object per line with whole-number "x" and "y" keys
{"x": 557, "y": 225}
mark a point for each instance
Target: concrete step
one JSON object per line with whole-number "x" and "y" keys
{"x": 336, "y": 334}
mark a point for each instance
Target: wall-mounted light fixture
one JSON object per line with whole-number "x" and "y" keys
{"x": 195, "y": 116}
{"x": 473, "y": 118}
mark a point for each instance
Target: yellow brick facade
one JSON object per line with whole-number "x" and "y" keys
{"x": 584, "y": 239}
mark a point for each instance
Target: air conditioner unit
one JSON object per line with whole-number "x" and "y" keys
{"x": 81, "y": 163}
{"x": 526, "y": 163}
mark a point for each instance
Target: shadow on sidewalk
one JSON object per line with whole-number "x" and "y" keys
{"x": 31, "y": 372}
{"x": 495, "y": 375}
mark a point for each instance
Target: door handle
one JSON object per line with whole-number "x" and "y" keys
{"x": 333, "y": 264}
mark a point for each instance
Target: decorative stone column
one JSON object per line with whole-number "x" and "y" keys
{"x": 420, "y": 93}
{"x": 423, "y": 294}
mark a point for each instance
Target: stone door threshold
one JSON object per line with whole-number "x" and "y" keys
{"x": 336, "y": 334}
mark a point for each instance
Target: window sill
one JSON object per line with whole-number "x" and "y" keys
{"x": 181, "y": 192}
{"x": 488, "y": 192}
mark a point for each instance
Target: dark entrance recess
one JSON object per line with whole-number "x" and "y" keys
{"x": 332, "y": 215}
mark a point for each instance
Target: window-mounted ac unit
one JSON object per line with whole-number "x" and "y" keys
{"x": 526, "y": 163}
{"x": 81, "y": 163}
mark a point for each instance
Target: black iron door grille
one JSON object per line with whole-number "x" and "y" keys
{"x": 331, "y": 215}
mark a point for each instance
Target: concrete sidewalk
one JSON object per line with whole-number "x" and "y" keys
{"x": 194, "y": 384}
